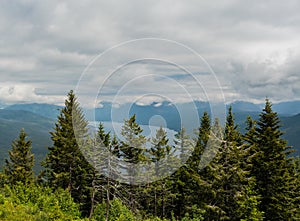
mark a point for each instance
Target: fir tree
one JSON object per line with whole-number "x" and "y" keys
{"x": 183, "y": 144}
{"x": 158, "y": 153}
{"x": 100, "y": 152}
{"x": 229, "y": 178}
{"x": 203, "y": 135}
{"x": 66, "y": 167}
{"x": 21, "y": 161}
{"x": 159, "y": 150}
{"x": 272, "y": 168}
{"x": 195, "y": 186}
{"x": 132, "y": 152}
{"x": 132, "y": 147}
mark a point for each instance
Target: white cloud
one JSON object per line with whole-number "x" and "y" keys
{"x": 15, "y": 93}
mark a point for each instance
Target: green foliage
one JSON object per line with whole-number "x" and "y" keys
{"x": 66, "y": 167}
{"x": 155, "y": 193}
{"x": 155, "y": 219}
{"x": 159, "y": 150}
{"x": 133, "y": 145}
{"x": 21, "y": 161}
{"x": 132, "y": 151}
{"x": 203, "y": 135}
{"x": 184, "y": 145}
{"x": 188, "y": 181}
{"x": 227, "y": 177}
{"x": 249, "y": 205}
{"x": 36, "y": 203}
{"x": 195, "y": 214}
{"x": 117, "y": 212}
{"x": 272, "y": 167}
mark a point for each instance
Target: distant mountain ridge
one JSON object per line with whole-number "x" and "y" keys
{"x": 45, "y": 110}
{"x": 164, "y": 108}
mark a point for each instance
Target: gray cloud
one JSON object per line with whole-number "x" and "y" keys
{"x": 253, "y": 46}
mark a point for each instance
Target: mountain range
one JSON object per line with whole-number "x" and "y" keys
{"x": 39, "y": 119}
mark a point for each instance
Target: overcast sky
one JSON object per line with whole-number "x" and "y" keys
{"x": 248, "y": 50}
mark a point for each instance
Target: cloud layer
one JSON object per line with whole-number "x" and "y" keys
{"x": 252, "y": 46}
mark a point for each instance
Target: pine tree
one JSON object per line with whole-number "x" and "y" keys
{"x": 159, "y": 150}
{"x": 195, "y": 186}
{"x": 101, "y": 153}
{"x": 66, "y": 167}
{"x": 158, "y": 153}
{"x": 272, "y": 168}
{"x": 132, "y": 152}
{"x": 203, "y": 135}
{"x": 132, "y": 147}
{"x": 250, "y": 202}
{"x": 231, "y": 133}
{"x": 184, "y": 145}
{"x": 19, "y": 167}
{"x": 115, "y": 146}
{"x": 229, "y": 179}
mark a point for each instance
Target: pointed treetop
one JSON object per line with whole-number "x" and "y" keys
{"x": 19, "y": 166}
{"x": 268, "y": 106}
{"x": 231, "y": 131}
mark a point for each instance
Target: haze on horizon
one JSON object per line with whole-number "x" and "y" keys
{"x": 253, "y": 48}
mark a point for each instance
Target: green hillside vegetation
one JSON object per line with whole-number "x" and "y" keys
{"x": 247, "y": 176}
{"x": 37, "y": 128}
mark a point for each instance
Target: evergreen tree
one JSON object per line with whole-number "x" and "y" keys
{"x": 106, "y": 164}
{"x": 66, "y": 167}
{"x": 21, "y": 161}
{"x": 195, "y": 186}
{"x": 231, "y": 133}
{"x": 249, "y": 136}
{"x": 115, "y": 147}
{"x": 250, "y": 202}
{"x": 183, "y": 144}
{"x": 158, "y": 152}
{"x": 203, "y": 135}
{"x": 132, "y": 147}
{"x": 101, "y": 154}
{"x": 272, "y": 168}
{"x": 229, "y": 179}
{"x": 102, "y": 138}
{"x": 205, "y": 194}
{"x": 132, "y": 152}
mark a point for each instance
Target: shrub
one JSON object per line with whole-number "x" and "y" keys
{"x": 36, "y": 203}
{"x": 117, "y": 212}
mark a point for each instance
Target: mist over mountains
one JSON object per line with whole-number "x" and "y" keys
{"x": 39, "y": 119}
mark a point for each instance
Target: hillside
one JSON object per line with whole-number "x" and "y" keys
{"x": 45, "y": 110}
{"x": 291, "y": 127}
{"x": 37, "y": 128}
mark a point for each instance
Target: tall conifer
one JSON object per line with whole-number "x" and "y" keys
{"x": 272, "y": 168}
{"x": 19, "y": 166}
{"x": 66, "y": 167}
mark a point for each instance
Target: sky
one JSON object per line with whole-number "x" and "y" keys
{"x": 145, "y": 51}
